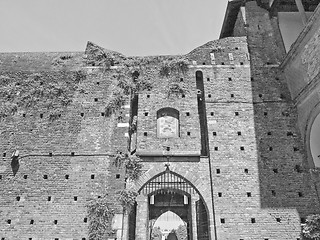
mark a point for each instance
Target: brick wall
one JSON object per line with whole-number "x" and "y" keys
{"x": 151, "y": 101}
{"x": 285, "y": 191}
{"x": 56, "y": 188}
{"x": 258, "y": 179}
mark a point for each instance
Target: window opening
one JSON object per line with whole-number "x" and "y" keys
{"x": 168, "y": 123}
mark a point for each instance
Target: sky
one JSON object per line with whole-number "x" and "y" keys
{"x": 169, "y": 221}
{"x": 132, "y": 27}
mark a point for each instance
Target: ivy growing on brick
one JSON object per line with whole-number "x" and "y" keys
{"x": 175, "y": 66}
{"x": 100, "y": 216}
{"x": 100, "y": 213}
{"x": 175, "y": 89}
{"x": 132, "y": 163}
{"x": 25, "y": 92}
{"x": 311, "y": 229}
{"x": 174, "y": 69}
{"x": 128, "y": 84}
{"x": 127, "y": 198}
{"x": 117, "y": 100}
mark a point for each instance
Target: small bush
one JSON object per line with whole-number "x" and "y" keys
{"x": 311, "y": 229}
{"x": 22, "y": 91}
{"x": 116, "y": 102}
{"x": 127, "y": 198}
{"x": 132, "y": 164}
{"x": 133, "y": 167}
{"x": 174, "y": 66}
{"x": 175, "y": 89}
{"x": 100, "y": 217}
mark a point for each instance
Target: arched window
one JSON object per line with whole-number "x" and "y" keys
{"x": 167, "y": 123}
{"x": 315, "y": 141}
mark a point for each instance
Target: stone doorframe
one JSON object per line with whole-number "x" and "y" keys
{"x": 200, "y": 185}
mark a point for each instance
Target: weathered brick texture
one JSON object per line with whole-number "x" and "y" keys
{"x": 258, "y": 187}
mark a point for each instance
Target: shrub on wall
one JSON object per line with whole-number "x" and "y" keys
{"x": 174, "y": 66}
{"x": 127, "y": 198}
{"x": 100, "y": 213}
{"x": 128, "y": 84}
{"x": 132, "y": 164}
{"x": 175, "y": 89}
{"x": 100, "y": 216}
{"x": 115, "y": 103}
{"x": 25, "y": 92}
{"x": 311, "y": 229}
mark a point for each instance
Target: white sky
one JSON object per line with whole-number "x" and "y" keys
{"x": 132, "y": 27}
{"x": 169, "y": 221}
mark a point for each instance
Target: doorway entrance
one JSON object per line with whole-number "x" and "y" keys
{"x": 165, "y": 192}
{"x": 164, "y": 201}
{"x": 169, "y": 226}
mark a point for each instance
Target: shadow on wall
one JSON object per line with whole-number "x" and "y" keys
{"x": 285, "y": 180}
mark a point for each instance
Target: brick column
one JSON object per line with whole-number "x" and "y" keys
{"x": 142, "y": 217}
{"x": 194, "y": 198}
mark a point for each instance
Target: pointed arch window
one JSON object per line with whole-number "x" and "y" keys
{"x": 168, "y": 123}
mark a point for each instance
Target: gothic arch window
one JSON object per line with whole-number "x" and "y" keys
{"x": 168, "y": 123}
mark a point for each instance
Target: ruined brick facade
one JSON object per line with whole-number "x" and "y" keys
{"x": 239, "y": 145}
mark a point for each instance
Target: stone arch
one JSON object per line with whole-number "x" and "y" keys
{"x": 194, "y": 200}
{"x": 203, "y": 188}
{"x": 313, "y": 119}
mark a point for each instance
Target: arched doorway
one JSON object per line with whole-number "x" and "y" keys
{"x": 169, "y": 200}
{"x": 166, "y": 224}
{"x": 169, "y": 191}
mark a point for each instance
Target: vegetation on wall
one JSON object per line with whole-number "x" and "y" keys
{"x": 129, "y": 83}
{"x": 132, "y": 163}
{"x": 100, "y": 216}
{"x": 100, "y": 213}
{"x": 175, "y": 66}
{"x": 175, "y": 89}
{"x": 127, "y": 198}
{"x": 117, "y": 100}
{"x": 311, "y": 229}
{"x": 24, "y": 92}
{"x": 156, "y": 234}
{"x": 58, "y": 61}
{"x": 134, "y": 77}
{"x": 174, "y": 69}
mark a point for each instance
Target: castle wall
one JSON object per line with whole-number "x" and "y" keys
{"x": 53, "y": 188}
{"x": 254, "y": 180}
{"x": 287, "y": 192}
